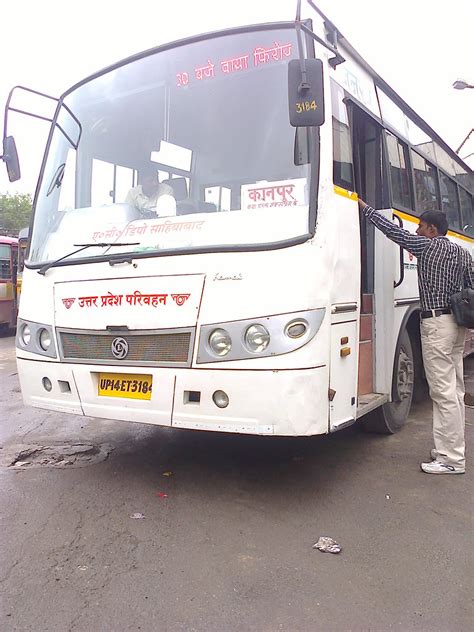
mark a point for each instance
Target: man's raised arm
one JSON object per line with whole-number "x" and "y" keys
{"x": 413, "y": 243}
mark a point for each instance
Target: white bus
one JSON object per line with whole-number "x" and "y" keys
{"x": 258, "y": 301}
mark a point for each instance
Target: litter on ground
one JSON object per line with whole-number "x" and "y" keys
{"x": 327, "y": 545}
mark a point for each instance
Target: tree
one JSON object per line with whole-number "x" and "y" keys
{"x": 15, "y": 212}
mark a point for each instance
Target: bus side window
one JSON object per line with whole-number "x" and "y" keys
{"x": 5, "y": 262}
{"x": 343, "y": 172}
{"x": 449, "y": 200}
{"x": 467, "y": 212}
{"x": 426, "y": 184}
{"x": 399, "y": 172}
{"x": 125, "y": 179}
{"x": 102, "y": 184}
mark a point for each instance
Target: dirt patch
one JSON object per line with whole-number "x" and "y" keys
{"x": 57, "y": 455}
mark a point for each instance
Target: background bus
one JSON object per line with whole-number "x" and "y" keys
{"x": 8, "y": 282}
{"x": 263, "y": 303}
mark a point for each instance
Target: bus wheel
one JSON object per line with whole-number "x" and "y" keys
{"x": 390, "y": 417}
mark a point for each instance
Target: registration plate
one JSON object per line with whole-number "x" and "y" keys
{"x": 129, "y": 385}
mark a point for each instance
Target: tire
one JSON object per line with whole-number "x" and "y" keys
{"x": 392, "y": 416}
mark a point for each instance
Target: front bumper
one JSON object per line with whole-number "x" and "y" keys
{"x": 287, "y": 403}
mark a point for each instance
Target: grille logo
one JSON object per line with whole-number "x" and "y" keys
{"x": 68, "y": 302}
{"x": 119, "y": 348}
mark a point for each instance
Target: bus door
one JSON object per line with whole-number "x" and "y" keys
{"x": 378, "y": 258}
{"x": 8, "y": 278}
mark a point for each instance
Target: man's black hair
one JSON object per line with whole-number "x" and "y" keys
{"x": 437, "y": 219}
{"x": 147, "y": 171}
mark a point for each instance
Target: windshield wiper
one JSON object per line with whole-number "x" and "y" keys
{"x": 102, "y": 244}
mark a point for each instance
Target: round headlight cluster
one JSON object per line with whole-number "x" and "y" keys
{"x": 257, "y": 338}
{"x": 220, "y": 342}
{"x": 25, "y": 335}
{"x": 44, "y": 339}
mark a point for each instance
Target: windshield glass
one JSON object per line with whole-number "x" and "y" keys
{"x": 188, "y": 147}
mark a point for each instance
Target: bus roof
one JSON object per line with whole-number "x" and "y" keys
{"x": 8, "y": 240}
{"x": 335, "y": 37}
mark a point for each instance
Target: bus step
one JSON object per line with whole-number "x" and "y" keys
{"x": 370, "y": 401}
{"x": 365, "y": 382}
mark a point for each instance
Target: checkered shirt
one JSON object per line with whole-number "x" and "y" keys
{"x": 443, "y": 266}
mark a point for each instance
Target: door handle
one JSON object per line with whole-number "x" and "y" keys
{"x": 402, "y": 267}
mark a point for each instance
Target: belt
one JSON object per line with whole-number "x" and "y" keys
{"x": 429, "y": 313}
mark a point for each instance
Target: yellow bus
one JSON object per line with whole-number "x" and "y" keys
{"x": 8, "y": 282}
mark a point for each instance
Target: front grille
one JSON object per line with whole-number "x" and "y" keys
{"x": 157, "y": 348}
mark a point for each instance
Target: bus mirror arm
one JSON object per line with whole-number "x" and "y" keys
{"x": 402, "y": 266}
{"x": 333, "y": 61}
{"x": 304, "y": 85}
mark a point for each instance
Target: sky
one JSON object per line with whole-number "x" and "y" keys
{"x": 418, "y": 46}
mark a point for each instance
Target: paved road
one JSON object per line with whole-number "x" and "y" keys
{"x": 230, "y": 548}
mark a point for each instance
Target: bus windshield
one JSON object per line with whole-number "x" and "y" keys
{"x": 188, "y": 147}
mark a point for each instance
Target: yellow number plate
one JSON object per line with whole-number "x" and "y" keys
{"x": 125, "y": 385}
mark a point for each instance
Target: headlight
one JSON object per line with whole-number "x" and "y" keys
{"x": 220, "y": 342}
{"x": 44, "y": 339}
{"x": 257, "y": 338}
{"x": 35, "y": 338}
{"x": 25, "y": 335}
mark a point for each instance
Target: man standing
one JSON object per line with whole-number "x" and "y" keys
{"x": 441, "y": 267}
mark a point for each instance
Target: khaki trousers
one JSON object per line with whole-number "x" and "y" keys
{"x": 442, "y": 342}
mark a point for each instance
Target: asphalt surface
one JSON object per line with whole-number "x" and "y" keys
{"x": 230, "y": 547}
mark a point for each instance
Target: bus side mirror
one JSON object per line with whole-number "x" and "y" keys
{"x": 306, "y": 92}
{"x": 10, "y": 158}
